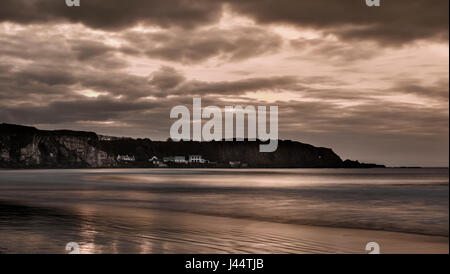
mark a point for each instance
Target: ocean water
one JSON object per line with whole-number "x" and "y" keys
{"x": 217, "y": 210}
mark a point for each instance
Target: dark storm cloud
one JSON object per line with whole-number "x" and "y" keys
{"x": 394, "y": 22}
{"x": 369, "y": 118}
{"x": 113, "y": 14}
{"x": 34, "y": 83}
{"x": 166, "y": 78}
{"x": 370, "y": 115}
{"x": 167, "y": 81}
{"x": 238, "y": 43}
{"x": 99, "y": 109}
{"x": 237, "y": 87}
{"x": 228, "y": 45}
{"x": 42, "y": 47}
{"x": 49, "y": 79}
{"x": 44, "y": 74}
{"x": 335, "y": 51}
{"x": 149, "y": 118}
{"x": 438, "y": 90}
{"x": 87, "y": 49}
{"x": 27, "y": 45}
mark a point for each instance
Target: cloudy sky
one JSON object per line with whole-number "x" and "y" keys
{"x": 371, "y": 83}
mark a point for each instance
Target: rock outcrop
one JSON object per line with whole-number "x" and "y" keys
{"x": 24, "y": 147}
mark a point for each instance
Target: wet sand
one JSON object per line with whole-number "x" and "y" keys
{"x": 224, "y": 211}
{"x": 112, "y": 230}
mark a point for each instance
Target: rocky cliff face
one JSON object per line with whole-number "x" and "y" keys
{"x": 28, "y": 147}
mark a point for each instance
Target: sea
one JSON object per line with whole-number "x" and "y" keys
{"x": 223, "y": 210}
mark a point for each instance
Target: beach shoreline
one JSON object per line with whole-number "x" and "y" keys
{"x": 101, "y": 229}
{"x": 224, "y": 211}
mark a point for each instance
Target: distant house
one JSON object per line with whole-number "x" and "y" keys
{"x": 106, "y": 138}
{"x": 154, "y": 160}
{"x": 169, "y": 159}
{"x": 157, "y": 162}
{"x": 126, "y": 158}
{"x": 197, "y": 159}
{"x": 175, "y": 159}
{"x": 180, "y": 160}
{"x": 235, "y": 163}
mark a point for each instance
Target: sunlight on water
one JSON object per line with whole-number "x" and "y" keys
{"x": 221, "y": 211}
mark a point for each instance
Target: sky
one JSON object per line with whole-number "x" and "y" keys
{"x": 372, "y": 83}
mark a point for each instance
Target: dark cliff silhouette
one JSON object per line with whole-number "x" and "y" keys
{"x": 28, "y": 147}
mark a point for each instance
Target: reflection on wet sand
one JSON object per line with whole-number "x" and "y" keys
{"x": 106, "y": 230}
{"x": 222, "y": 211}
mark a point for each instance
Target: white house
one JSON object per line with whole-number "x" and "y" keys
{"x": 180, "y": 160}
{"x": 196, "y": 159}
{"x": 125, "y": 158}
{"x": 154, "y": 160}
{"x": 168, "y": 159}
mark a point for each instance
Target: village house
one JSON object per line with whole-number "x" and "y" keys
{"x": 154, "y": 160}
{"x": 198, "y": 159}
{"x": 104, "y": 138}
{"x": 168, "y": 159}
{"x": 191, "y": 159}
{"x": 180, "y": 160}
{"x": 175, "y": 159}
{"x": 126, "y": 158}
{"x": 157, "y": 162}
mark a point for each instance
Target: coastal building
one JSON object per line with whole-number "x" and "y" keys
{"x": 168, "y": 159}
{"x": 197, "y": 159}
{"x": 125, "y": 158}
{"x": 180, "y": 160}
{"x": 191, "y": 159}
{"x": 104, "y": 138}
{"x": 155, "y": 160}
{"x": 108, "y": 138}
{"x": 175, "y": 159}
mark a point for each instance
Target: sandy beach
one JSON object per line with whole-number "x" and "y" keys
{"x": 104, "y": 230}
{"x": 224, "y": 211}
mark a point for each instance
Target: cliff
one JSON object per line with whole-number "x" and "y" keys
{"x": 28, "y": 147}
{"x": 22, "y": 147}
